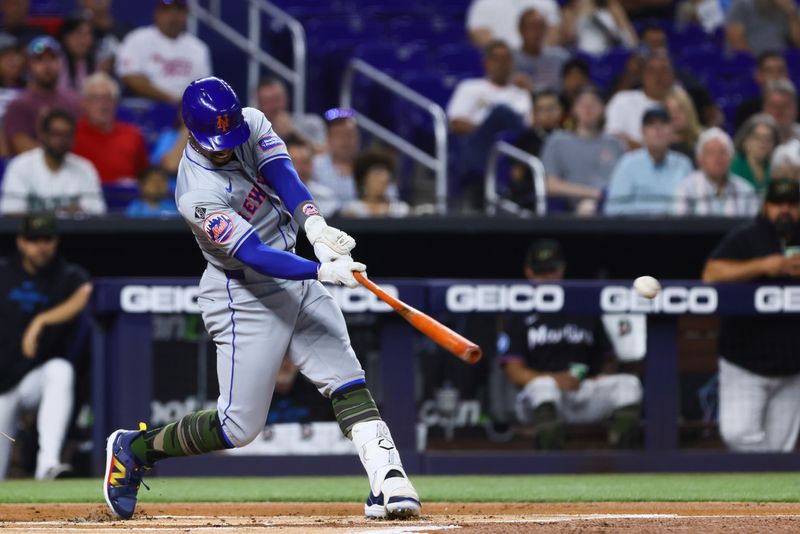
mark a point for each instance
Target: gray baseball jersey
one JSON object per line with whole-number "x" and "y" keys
{"x": 224, "y": 205}
{"x": 256, "y": 320}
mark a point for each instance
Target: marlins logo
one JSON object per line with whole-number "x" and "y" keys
{"x": 218, "y": 227}
{"x": 223, "y": 123}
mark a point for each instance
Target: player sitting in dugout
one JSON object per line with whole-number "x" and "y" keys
{"x": 563, "y": 365}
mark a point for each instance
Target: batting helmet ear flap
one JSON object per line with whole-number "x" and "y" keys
{"x": 213, "y": 114}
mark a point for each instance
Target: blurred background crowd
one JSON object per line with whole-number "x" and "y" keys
{"x": 646, "y": 107}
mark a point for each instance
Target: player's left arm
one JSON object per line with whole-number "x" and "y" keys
{"x": 329, "y": 243}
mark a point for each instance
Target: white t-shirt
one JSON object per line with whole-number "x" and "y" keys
{"x": 625, "y": 111}
{"x": 697, "y": 195}
{"x": 29, "y": 185}
{"x": 474, "y": 99}
{"x": 501, "y": 17}
{"x": 169, "y": 64}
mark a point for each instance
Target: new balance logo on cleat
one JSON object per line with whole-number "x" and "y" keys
{"x": 123, "y": 473}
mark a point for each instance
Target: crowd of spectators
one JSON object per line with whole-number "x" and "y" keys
{"x": 629, "y": 146}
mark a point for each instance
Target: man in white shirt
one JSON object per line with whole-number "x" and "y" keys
{"x": 625, "y": 109}
{"x": 480, "y": 108}
{"x": 489, "y": 20}
{"x": 159, "y": 61}
{"x": 713, "y": 190}
{"x": 49, "y": 177}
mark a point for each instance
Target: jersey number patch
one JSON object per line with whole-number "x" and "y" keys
{"x": 218, "y": 228}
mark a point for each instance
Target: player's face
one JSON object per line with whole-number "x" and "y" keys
{"x": 37, "y": 252}
{"x": 220, "y": 157}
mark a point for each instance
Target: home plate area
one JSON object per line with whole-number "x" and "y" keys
{"x": 456, "y": 517}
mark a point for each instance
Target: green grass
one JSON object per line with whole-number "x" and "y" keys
{"x": 776, "y": 487}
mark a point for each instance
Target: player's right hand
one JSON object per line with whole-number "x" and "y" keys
{"x": 340, "y": 271}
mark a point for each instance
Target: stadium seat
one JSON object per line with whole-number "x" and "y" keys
{"x": 152, "y": 118}
{"x": 118, "y": 196}
{"x": 460, "y": 60}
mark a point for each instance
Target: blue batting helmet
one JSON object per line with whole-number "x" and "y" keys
{"x": 213, "y": 114}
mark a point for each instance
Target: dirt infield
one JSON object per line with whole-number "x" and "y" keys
{"x": 459, "y": 517}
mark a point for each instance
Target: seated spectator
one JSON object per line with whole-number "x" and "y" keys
{"x": 547, "y": 116}
{"x": 12, "y": 78}
{"x": 564, "y": 368}
{"x": 498, "y": 20}
{"x": 15, "y": 20}
{"x": 575, "y": 75}
{"x": 597, "y": 26}
{"x": 685, "y": 126}
{"x": 579, "y": 163}
{"x": 537, "y": 65}
{"x": 759, "y": 371}
{"x": 771, "y": 66}
{"x": 159, "y": 61}
{"x": 302, "y": 155}
{"x": 373, "y": 172}
{"x": 785, "y": 161}
{"x": 116, "y": 149}
{"x": 50, "y": 178}
{"x": 273, "y": 102}
{"x": 41, "y": 296}
{"x": 780, "y": 102}
{"x": 712, "y": 189}
{"x": 756, "y": 26}
{"x": 108, "y": 32}
{"x": 755, "y": 141}
{"x": 480, "y": 108}
{"x": 651, "y": 38}
{"x": 155, "y": 199}
{"x": 78, "y": 58}
{"x": 645, "y": 180}
{"x": 334, "y": 169}
{"x": 169, "y": 147}
{"x": 42, "y": 93}
{"x": 626, "y": 108}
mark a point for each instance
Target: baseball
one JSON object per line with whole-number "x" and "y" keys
{"x": 647, "y": 286}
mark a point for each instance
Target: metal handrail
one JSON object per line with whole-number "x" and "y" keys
{"x": 535, "y": 165}
{"x": 252, "y": 44}
{"x": 437, "y": 163}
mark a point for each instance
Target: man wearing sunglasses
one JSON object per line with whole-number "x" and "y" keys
{"x": 240, "y": 195}
{"x": 41, "y": 296}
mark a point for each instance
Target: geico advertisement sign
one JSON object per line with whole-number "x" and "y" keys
{"x": 671, "y": 299}
{"x": 183, "y": 299}
{"x": 771, "y": 299}
{"x": 494, "y": 298}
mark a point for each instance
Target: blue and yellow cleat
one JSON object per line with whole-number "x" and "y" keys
{"x": 123, "y": 472}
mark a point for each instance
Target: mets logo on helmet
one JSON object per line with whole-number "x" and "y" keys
{"x": 218, "y": 227}
{"x": 223, "y": 123}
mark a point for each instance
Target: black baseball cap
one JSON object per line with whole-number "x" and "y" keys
{"x": 38, "y": 225}
{"x": 783, "y": 190}
{"x": 655, "y": 114}
{"x": 545, "y": 256}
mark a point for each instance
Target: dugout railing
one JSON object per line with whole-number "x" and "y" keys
{"x": 123, "y": 370}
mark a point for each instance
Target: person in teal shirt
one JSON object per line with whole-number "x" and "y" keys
{"x": 755, "y": 141}
{"x": 155, "y": 199}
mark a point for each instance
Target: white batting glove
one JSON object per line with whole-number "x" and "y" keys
{"x": 329, "y": 243}
{"x": 340, "y": 272}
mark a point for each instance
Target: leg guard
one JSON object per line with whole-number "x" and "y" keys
{"x": 196, "y": 433}
{"x": 352, "y": 405}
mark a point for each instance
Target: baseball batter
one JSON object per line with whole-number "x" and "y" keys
{"x": 244, "y": 202}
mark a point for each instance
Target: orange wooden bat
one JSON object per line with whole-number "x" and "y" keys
{"x": 445, "y": 337}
